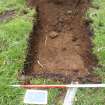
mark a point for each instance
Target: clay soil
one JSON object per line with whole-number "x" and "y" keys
{"x": 60, "y": 45}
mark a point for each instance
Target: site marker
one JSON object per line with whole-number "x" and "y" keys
{"x": 38, "y": 97}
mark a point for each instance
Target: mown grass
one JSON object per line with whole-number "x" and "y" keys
{"x": 13, "y": 42}
{"x": 13, "y": 36}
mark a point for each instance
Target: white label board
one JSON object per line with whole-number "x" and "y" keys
{"x": 36, "y": 97}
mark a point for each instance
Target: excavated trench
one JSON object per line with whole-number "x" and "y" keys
{"x": 60, "y": 45}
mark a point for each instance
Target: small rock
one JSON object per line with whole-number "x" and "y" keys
{"x": 53, "y": 34}
{"x": 61, "y": 20}
{"x": 69, "y": 12}
{"x": 64, "y": 49}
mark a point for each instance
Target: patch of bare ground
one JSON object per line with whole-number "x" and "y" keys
{"x": 60, "y": 45}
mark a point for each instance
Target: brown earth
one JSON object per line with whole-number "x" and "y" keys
{"x": 60, "y": 45}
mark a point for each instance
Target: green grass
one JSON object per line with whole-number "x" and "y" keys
{"x": 6, "y": 5}
{"x": 13, "y": 42}
{"x": 13, "y": 36}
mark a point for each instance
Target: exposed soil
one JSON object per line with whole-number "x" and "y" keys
{"x": 60, "y": 45}
{"x": 7, "y": 15}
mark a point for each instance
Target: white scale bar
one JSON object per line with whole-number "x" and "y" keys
{"x": 63, "y": 86}
{"x": 86, "y": 86}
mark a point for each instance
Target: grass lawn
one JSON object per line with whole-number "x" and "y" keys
{"x": 13, "y": 42}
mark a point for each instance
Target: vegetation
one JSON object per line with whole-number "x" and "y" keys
{"x": 13, "y": 42}
{"x": 13, "y": 36}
